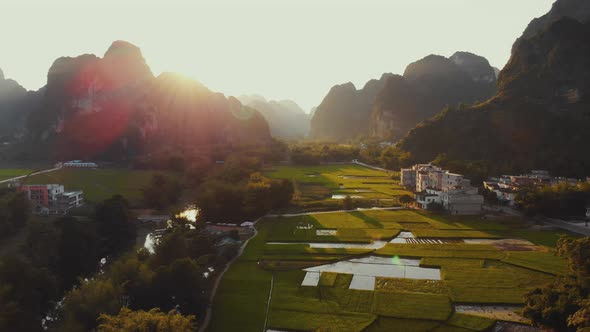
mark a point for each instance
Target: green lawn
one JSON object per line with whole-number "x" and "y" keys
{"x": 99, "y": 184}
{"x": 8, "y": 173}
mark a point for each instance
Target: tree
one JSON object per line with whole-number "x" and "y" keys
{"x": 182, "y": 285}
{"x": 281, "y": 193}
{"x": 406, "y": 199}
{"x": 564, "y": 304}
{"x": 162, "y": 192}
{"x": 347, "y": 203}
{"x": 14, "y": 211}
{"x": 150, "y": 321}
{"x": 26, "y": 293}
{"x": 83, "y": 305}
{"x": 78, "y": 250}
{"x": 116, "y": 224}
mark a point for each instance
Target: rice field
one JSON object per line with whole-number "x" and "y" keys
{"x": 315, "y": 186}
{"x": 362, "y": 270}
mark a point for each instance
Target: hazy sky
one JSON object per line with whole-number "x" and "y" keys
{"x": 282, "y": 49}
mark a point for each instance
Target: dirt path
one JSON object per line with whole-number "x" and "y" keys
{"x": 272, "y": 282}
{"x": 205, "y": 323}
{"x": 24, "y": 176}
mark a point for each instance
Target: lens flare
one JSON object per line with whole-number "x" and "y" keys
{"x": 191, "y": 213}
{"x": 395, "y": 260}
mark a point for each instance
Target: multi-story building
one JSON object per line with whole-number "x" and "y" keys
{"x": 435, "y": 185}
{"x": 52, "y": 198}
{"x": 410, "y": 176}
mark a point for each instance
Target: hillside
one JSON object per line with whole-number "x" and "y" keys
{"x": 575, "y": 9}
{"x": 15, "y": 105}
{"x": 285, "y": 118}
{"x": 113, "y": 107}
{"x": 389, "y": 107}
{"x": 538, "y": 119}
{"x": 345, "y": 111}
{"x": 426, "y": 87}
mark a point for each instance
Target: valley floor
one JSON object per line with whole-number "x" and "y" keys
{"x": 380, "y": 269}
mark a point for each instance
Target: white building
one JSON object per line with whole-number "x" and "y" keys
{"x": 52, "y": 198}
{"x": 79, "y": 164}
{"x": 435, "y": 185}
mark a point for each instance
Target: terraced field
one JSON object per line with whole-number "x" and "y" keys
{"x": 380, "y": 270}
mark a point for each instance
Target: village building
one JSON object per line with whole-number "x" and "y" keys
{"x": 433, "y": 184}
{"x": 77, "y": 164}
{"x": 52, "y": 198}
{"x": 507, "y": 186}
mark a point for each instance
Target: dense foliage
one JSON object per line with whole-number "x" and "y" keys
{"x": 14, "y": 210}
{"x": 236, "y": 192}
{"x": 142, "y": 321}
{"x": 177, "y": 276}
{"x": 558, "y": 200}
{"x": 316, "y": 153}
{"x": 564, "y": 305}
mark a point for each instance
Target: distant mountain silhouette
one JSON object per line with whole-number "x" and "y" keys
{"x": 426, "y": 87}
{"x": 345, "y": 111}
{"x": 389, "y": 107}
{"x": 16, "y": 103}
{"x": 285, "y": 118}
{"x": 113, "y": 106}
{"x": 540, "y": 116}
{"x": 575, "y": 9}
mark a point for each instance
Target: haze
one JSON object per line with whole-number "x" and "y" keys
{"x": 280, "y": 49}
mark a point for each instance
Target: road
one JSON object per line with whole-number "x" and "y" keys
{"x": 370, "y": 166}
{"x": 570, "y": 227}
{"x": 581, "y": 230}
{"x": 24, "y": 176}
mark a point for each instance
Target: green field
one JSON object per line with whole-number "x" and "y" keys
{"x": 8, "y": 173}
{"x": 486, "y": 274}
{"x": 315, "y": 185}
{"x": 98, "y": 184}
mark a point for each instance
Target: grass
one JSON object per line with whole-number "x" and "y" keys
{"x": 242, "y": 295}
{"x": 495, "y": 283}
{"x": 470, "y": 322}
{"x": 243, "y": 292}
{"x": 410, "y": 285}
{"x": 349, "y": 227}
{"x": 8, "y": 173}
{"x": 311, "y": 321}
{"x": 449, "y": 250}
{"x": 537, "y": 260}
{"x": 437, "y": 233}
{"x": 412, "y": 305}
{"x": 314, "y": 185}
{"x": 389, "y": 324}
{"x": 328, "y": 279}
{"x": 99, "y": 184}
